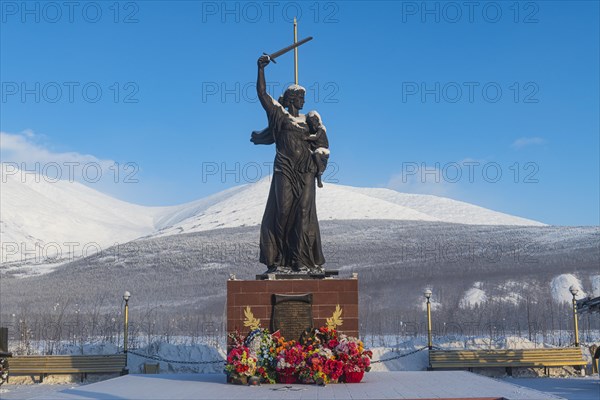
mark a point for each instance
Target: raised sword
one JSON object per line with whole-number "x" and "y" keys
{"x": 273, "y": 56}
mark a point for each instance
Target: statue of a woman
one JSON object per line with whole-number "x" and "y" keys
{"x": 290, "y": 239}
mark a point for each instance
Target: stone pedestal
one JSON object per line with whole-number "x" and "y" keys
{"x": 326, "y": 295}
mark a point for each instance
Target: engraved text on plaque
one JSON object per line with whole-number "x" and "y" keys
{"x": 292, "y": 314}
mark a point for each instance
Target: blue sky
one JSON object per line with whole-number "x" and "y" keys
{"x": 492, "y": 103}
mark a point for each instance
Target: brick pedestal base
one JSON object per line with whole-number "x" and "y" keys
{"x": 327, "y": 294}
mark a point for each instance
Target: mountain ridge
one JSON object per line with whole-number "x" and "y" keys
{"x": 51, "y": 214}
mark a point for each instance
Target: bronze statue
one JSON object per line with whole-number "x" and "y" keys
{"x": 290, "y": 239}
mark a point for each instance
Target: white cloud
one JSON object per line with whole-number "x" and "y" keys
{"x": 24, "y": 152}
{"x": 527, "y": 141}
{"x": 22, "y": 148}
{"x": 424, "y": 179}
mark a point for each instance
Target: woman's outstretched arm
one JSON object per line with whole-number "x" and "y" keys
{"x": 261, "y": 85}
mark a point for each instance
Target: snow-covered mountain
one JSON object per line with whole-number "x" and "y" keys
{"x": 54, "y": 214}
{"x": 58, "y": 215}
{"x": 244, "y": 206}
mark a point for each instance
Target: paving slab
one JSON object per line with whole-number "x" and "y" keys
{"x": 572, "y": 388}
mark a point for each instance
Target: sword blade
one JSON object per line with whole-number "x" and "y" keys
{"x": 290, "y": 47}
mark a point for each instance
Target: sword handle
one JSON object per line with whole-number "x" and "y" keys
{"x": 270, "y": 59}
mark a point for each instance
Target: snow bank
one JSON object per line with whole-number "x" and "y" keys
{"x": 178, "y": 358}
{"x": 92, "y": 348}
{"x": 418, "y": 361}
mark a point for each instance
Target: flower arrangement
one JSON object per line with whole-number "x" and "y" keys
{"x": 240, "y": 363}
{"x": 323, "y": 337}
{"x": 352, "y": 353}
{"x": 290, "y": 357}
{"x": 261, "y": 344}
{"x": 334, "y": 369}
{"x": 312, "y": 370}
{"x": 324, "y": 355}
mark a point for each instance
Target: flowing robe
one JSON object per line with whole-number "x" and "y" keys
{"x": 289, "y": 232}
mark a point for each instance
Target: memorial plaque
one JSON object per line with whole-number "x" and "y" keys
{"x": 292, "y": 314}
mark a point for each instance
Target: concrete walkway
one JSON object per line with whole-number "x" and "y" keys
{"x": 572, "y": 388}
{"x": 376, "y": 385}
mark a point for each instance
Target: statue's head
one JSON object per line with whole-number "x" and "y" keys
{"x": 293, "y": 96}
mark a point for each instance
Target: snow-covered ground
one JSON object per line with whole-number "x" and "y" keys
{"x": 381, "y": 385}
{"x": 22, "y": 392}
{"x": 573, "y": 388}
{"x": 587, "y": 388}
{"x": 389, "y": 354}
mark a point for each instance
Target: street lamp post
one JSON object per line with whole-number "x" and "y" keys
{"x": 126, "y": 297}
{"x": 427, "y": 294}
{"x": 574, "y": 290}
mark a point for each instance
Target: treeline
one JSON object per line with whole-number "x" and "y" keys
{"x": 178, "y": 283}
{"x": 66, "y": 325}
